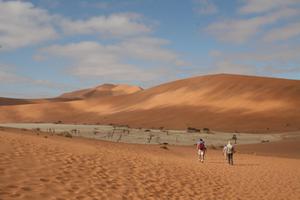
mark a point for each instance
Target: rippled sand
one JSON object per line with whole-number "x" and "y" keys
{"x": 52, "y": 167}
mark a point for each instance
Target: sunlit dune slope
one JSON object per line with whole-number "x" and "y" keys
{"x": 219, "y": 102}
{"x": 102, "y": 91}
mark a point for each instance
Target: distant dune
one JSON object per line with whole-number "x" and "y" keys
{"x": 102, "y": 91}
{"x": 12, "y": 101}
{"x": 219, "y": 102}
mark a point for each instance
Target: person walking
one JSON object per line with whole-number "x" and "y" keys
{"x": 230, "y": 151}
{"x": 201, "y": 148}
{"x": 225, "y": 152}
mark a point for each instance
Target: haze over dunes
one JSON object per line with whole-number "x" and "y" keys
{"x": 219, "y": 102}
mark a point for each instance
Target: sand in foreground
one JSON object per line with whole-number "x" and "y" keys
{"x": 35, "y": 167}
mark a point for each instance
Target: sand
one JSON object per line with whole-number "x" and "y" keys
{"x": 230, "y": 103}
{"x": 38, "y": 167}
{"x": 285, "y": 148}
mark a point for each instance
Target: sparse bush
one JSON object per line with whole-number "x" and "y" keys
{"x": 193, "y": 130}
{"x": 206, "y": 130}
{"x": 68, "y": 135}
{"x": 96, "y": 132}
{"x": 265, "y": 141}
{"x": 234, "y": 137}
{"x": 164, "y": 147}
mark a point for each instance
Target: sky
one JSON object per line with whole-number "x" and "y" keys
{"x": 48, "y": 47}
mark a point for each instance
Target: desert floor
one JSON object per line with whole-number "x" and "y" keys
{"x": 53, "y": 167}
{"x": 150, "y": 136}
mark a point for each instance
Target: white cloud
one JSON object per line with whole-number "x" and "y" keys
{"x": 260, "y": 6}
{"x": 205, "y": 7}
{"x": 241, "y": 30}
{"x": 280, "y": 54}
{"x": 115, "y": 25}
{"x": 231, "y": 67}
{"x": 146, "y": 48}
{"x": 283, "y": 33}
{"x": 22, "y": 24}
{"x": 92, "y": 59}
{"x": 9, "y": 75}
{"x": 262, "y": 60}
{"x": 274, "y": 70}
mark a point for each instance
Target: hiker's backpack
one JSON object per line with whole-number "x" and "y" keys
{"x": 201, "y": 146}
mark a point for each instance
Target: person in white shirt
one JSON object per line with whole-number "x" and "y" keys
{"x": 229, "y": 152}
{"x": 224, "y": 152}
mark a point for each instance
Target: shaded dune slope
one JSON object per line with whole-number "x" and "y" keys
{"x": 219, "y": 102}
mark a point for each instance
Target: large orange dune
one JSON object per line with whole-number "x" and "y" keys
{"x": 220, "y": 102}
{"x": 54, "y": 167}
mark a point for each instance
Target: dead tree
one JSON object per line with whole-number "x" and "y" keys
{"x": 150, "y": 138}
{"x": 234, "y": 137}
{"x": 120, "y": 137}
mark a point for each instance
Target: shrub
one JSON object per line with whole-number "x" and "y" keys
{"x": 68, "y": 135}
{"x": 265, "y": 141}
{"x": 193, "y": 130}
{"x": 207, "y": 130}
{"x": 164, "y": 147}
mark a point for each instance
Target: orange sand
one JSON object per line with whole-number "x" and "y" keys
{"x": 289, "y": 148}
{"x": 35, "y": 167}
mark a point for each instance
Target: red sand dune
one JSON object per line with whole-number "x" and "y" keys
{"x": 102, "y": 91}
{"x": 35, "y": 167}
{"x": 219, "y": 102}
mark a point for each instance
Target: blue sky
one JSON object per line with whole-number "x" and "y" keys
{"x": 52, "y": 46}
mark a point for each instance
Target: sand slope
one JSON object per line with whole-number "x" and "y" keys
{"x": 220, "y": 102}
{"x": 102, "y": 91}
{"x": 35, "y": 167}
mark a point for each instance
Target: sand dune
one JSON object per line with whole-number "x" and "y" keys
{"x": 35, "y": 167}
{"x": 102, "y": 91}
{"x": 12, "y": 101}
{"x": 219, "y": 102}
